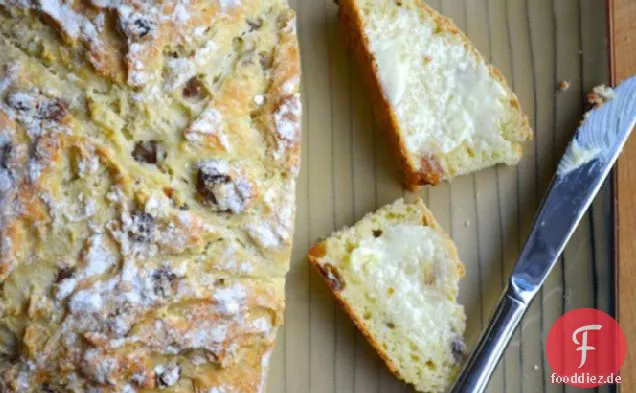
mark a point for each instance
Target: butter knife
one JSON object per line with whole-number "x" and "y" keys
{"x": 587, "y": 161}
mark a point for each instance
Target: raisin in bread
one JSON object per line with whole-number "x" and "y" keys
{"x": 396, "y": 273}
{"x": 148, "y": 157}
{"x": 447, "y": 112}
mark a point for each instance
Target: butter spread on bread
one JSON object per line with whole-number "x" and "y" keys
{"x": 447, "y": 112}
{"x": 397, "y": 274}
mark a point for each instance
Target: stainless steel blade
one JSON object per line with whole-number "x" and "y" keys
{"x": 581, "y": 173}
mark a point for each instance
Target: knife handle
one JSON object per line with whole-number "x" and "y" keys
{"x": 486, "y": 355}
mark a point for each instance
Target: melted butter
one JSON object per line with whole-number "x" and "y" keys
{"x": 404, "y": 247}
{"x": 604, "y": 129}
{"x": 393, "y": 66}
{"x": 442, "y": 94}
{"x": 409, "y": 271}
{"x": 576, "y": 157}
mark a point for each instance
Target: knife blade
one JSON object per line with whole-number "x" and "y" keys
{"x": 580, "y": 174}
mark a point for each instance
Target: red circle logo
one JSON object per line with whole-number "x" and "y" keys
{"x": 586, "y": 348}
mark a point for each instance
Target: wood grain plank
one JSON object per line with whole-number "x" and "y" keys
{"x": 566, "y": 46}
{"x": 541, "y": 25}
{"x": 578, "y": 257}
{"x": 524, "y": 82}
{"x": 623, "y": 56}
{"x": 507, "y": 181}
{"x": 347, "y": 172}
{"x": 321, "y": 215}
{"x": 296, "y": 338}
{"x": 481, "y": 28}
{"x": 595, "y": 71}
{"x": 340, "y": 66}
{"x": 364, "y": 200}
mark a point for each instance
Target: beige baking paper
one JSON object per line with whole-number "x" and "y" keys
{"x": 347, "y": 171}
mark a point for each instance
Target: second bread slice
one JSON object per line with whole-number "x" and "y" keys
{"x": 396, "y": 273}
{"x": 447, "y": 111}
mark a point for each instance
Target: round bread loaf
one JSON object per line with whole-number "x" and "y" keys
{"x": 148, "y": 157}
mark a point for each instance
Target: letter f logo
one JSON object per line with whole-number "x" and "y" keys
{"x": 583, "y": 345}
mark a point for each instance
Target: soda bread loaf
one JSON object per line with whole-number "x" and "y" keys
{"x": 396, "y": 273}
{"x": 447, "y": 112}
{"x": 148, "y": 157}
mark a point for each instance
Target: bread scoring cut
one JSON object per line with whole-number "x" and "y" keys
{"x": 397, "y": 273}
{"x": 148, "y": 158}
{"x": 448, "y": 112}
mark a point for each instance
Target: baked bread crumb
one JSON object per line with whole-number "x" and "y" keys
{"x": 397, "y": 273}
{"x": 148, "y": 158}
{"x": 600, "y": 95}
{"x": 564, "y": 85}
{"x": 447, "y": 112}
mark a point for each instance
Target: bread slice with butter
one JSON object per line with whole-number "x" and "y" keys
{"x": 447, "y": 111}
{"x": 396, "y": 273}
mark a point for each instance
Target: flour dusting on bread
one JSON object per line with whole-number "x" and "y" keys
{"x": 146, "y": 198}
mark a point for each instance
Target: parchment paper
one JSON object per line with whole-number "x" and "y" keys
{"x": 347, "y": 171}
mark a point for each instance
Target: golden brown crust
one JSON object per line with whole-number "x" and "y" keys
{"x": 319, "y": 250}
{"x": 315, "y": 262}
{"x": 351, "y": 23}
{"x": 145, "y": 221}
{"x": 526, "y": 130}
{"x": 429, "y": 170}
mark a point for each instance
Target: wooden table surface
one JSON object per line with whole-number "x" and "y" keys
{"x": 623, "y": 31}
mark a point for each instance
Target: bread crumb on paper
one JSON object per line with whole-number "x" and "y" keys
{"x": 564, "y": 85}
{"x": 600, "y": 95}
